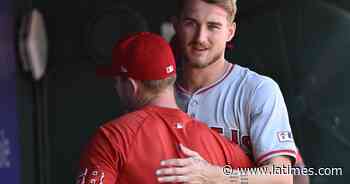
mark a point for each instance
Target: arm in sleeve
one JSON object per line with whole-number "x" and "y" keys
{"x": 101, "y": 160}
{"x": 270, "y": 130}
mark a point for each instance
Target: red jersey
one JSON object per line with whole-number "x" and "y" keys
{"x": 130, "y": 148}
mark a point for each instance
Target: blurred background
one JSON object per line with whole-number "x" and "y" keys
{"x": 46, "y": 118}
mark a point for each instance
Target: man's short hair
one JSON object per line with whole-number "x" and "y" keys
{"x": 152, "y": 88}
{"x": 229, "y": 5}
{"x": 156, "y": 86}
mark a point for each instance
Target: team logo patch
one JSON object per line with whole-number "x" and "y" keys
{"x": 90, "y": 176}
{"x": 285, "y": 136}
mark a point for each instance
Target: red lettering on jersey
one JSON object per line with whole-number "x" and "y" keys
{"x": 218, "y": 130}
{"x": 235, "y": 136}
{"x": 246, "y": 142}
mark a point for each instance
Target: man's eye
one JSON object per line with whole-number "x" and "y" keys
{"x": 213, "y": 27}
{"x": 189, "y": 23}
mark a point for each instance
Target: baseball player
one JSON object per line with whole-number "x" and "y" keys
{"x": 129, "y": 149}
{"x": 246, "y": 107}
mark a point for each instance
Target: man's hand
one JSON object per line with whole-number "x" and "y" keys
{"x": 193, "y": 169}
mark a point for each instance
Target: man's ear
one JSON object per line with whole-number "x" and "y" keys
{"x": 134, "y": 85}
{"x": 231, "y": 31}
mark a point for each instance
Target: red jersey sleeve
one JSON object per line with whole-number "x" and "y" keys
{"x": 100, "y": 160}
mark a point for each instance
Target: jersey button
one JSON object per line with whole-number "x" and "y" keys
{"x": 194, "y": 103}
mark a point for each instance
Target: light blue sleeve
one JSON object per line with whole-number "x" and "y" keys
{"x": 270, "y": 130}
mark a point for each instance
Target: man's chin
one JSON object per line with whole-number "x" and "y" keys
{"x": 198, "y": 64}
{"x": 201, "y": 62}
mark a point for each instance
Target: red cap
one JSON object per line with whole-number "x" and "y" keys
{"x": 142, "y": 56}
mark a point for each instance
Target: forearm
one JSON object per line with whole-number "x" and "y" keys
{"x": 275, "y": 171}
{"x": 195, "y": 169}
{"x": 301, "y": 179}
{"x": 266, "y": 175}
{"x": 260, "y": 175}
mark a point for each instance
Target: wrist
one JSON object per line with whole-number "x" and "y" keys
{"x": 230, "y": 175}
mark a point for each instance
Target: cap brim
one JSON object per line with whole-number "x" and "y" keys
{"x": 106, "y": 71}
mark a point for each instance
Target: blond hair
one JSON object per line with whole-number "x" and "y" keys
{"x": 229, "y": 5}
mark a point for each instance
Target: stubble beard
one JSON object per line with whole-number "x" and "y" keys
{"x": 201, "y": 65}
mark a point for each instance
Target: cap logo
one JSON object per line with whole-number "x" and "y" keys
{"x": 169, "y": 69}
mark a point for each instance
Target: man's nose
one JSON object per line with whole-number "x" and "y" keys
{"x": 201, "y": 35}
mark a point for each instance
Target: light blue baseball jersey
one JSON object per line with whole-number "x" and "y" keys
{"x": 247, "y": 108}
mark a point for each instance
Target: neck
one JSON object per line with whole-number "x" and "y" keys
{"x": 165, "y": 99}
{"x": 193, "y": 78}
